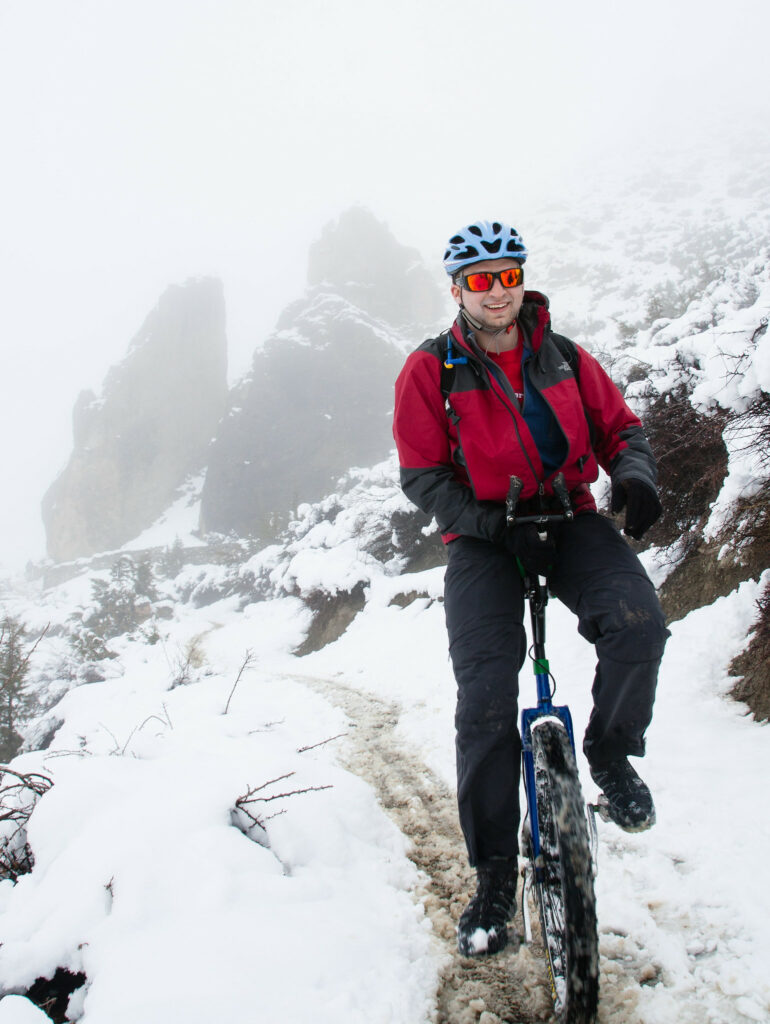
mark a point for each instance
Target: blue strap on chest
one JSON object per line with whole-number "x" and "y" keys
{"x": 448, "y": 368}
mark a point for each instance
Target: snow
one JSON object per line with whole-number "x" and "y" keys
{"x": 18, "y": 1010}
{"x": 670, "y": 901}
{"x": 178, "y": 524}
{"x": 140, "y": 873}
{"x": 143, "y": 881}
{"x": 176, "y": 907}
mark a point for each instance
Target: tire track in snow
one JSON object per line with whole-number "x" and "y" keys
{"x": 510, "y": 987}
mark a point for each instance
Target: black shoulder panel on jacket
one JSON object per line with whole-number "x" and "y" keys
{"x": 557, "y": 358}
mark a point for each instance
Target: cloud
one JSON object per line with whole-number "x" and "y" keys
{"x": 147, "y": 142}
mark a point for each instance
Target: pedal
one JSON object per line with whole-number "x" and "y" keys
{"x": 593, "y": 837}
{"x": 602, "y": 808}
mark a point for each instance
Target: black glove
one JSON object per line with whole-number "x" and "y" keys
{"x": 641, "y": 503}
{"x": 536, "y": 556}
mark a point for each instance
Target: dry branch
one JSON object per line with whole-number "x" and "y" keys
{"x": 321, "y": 743}
{"x": 248, "y": 659}
{"x": 250, "y": 797}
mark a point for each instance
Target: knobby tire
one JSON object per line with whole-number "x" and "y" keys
{"x": 564, "y": 878}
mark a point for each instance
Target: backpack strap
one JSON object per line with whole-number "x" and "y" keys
{"x": 449, "y": 359}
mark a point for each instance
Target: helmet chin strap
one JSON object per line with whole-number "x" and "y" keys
{"x": 474, "y": 323}
{"x": 478, "y": 326}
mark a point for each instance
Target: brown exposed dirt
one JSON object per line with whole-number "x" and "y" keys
{"x": 702, "y": 577}
{"x": 332, "y": 614}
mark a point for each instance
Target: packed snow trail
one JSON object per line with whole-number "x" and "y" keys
{"x": 510, "y": 987}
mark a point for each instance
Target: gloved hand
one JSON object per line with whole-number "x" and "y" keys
{"x": 641, "y": 503}
{"x": 536, "y": 556}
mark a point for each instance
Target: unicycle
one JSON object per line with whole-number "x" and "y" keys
{"x": 558, "y": 835}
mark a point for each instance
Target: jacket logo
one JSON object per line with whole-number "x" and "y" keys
{"x": 563, "y": 366}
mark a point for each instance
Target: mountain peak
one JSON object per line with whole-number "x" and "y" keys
{"x": 359, "y": 258}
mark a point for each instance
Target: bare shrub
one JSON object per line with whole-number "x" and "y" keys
{"x": 749, "y": 430}
{"x": 692, "y": 463}
{"x": 753, "y": 664}
{"x": 749, "y": 530}
{"x": 251, "y": 820}
{"x": 18, "y": 795}
{"x": 248, "y": 659}
{"x": 189, "y": 661}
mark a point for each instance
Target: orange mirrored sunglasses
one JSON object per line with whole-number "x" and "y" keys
{"x": 483, "y": 280}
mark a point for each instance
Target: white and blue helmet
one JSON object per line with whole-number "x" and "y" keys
{"x": 484, "y": 240}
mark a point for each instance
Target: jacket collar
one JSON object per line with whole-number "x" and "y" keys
{"x": 533, "y": 320}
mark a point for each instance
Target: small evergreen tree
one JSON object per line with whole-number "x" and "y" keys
{"x": 118, "y": 599}
{"x": 17, "y": 703}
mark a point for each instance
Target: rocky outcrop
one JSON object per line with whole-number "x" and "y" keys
{"x": 359, "y": 259}
{"x": 149, "y": 430}
{"x": 319, "y": 396}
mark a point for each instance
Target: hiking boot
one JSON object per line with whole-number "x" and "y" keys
{"x": 626, "y": 800}
{"x": 482, "y": 927}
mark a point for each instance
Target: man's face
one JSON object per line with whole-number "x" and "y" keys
{"x": 497, "y": 308}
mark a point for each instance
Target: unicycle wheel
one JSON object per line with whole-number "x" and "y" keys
{"x": 564, "y": 878}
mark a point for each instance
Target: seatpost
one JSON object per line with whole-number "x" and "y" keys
{"x": 538, "y": 598}
{"x": 535, "y": 588}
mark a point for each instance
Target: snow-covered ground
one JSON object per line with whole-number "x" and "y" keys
{"x": 144, "y": 881}
{"x": 341, "y": 905}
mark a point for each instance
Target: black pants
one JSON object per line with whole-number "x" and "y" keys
{"x": 598, "y": 577}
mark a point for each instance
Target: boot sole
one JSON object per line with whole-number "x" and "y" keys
{"x": 605, "y": 813}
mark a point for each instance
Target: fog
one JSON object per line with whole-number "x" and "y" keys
{"x": 145, "y": 142}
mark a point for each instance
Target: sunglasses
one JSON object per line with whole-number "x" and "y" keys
{"x": 482, "y": 281}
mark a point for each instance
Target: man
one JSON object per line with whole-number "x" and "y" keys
{"x": 498, "y": 396}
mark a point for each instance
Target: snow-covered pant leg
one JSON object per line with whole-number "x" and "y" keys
{"x": 601, "y": 579}
{"x": 484, "y": 607}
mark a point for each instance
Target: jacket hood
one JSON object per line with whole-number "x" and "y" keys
{"x": 536, "y": 298}
{"x": 534, "y": 317}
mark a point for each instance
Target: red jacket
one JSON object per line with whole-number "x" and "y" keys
{"x": 458, "y": 453}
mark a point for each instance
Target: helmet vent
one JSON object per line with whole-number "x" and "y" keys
{"x": 480, "y": 241}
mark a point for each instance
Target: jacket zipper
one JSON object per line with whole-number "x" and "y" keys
{"x": 512, "y": 414}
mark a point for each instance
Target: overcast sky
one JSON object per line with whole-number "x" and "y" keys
{"x": 147, "y": 141}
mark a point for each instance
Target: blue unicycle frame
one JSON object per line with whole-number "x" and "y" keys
{"x": 562, "y": 862}
{"x": 536, "y": 592}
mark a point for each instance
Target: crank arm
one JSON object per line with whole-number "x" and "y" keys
{"x": 525, "y": 903}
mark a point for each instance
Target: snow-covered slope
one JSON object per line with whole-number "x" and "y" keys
{"x": 339, "y": 904}
{"x": 145, "y": 881}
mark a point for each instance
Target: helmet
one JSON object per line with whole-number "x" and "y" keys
{"x": 484, "y": 240}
